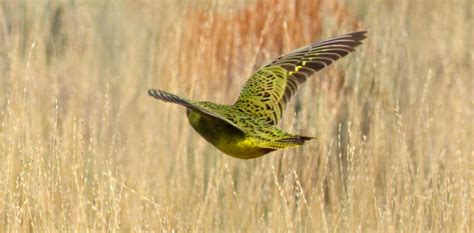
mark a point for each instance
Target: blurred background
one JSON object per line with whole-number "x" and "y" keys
{"x": 83, "y": 148}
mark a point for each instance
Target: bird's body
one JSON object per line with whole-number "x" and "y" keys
{"x": 248, "y": 128}
{"x": 249, "y": 138}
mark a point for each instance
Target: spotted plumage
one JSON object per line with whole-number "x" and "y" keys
{"x": 248, "y": 128}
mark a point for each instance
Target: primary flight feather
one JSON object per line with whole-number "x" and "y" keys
{"x": 247, "y": 129}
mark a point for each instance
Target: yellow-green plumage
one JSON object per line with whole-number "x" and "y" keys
{"x": 247, "y": 129}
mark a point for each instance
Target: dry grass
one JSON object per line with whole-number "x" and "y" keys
{"x": 82, "y": 147}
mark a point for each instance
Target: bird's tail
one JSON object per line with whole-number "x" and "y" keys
{"x": 295, "y": 140}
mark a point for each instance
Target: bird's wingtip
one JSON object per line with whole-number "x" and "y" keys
{"x": 152, "y": 92}
{"x": 359, "y": 35}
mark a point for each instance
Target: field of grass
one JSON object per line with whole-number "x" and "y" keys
{"x": 84, "y": 149}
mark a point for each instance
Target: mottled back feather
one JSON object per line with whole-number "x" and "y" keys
{"x": 271, "y": 87}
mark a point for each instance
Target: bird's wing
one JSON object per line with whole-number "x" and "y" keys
{"x": 268, "y": 90}
{"x": 168, "y": 97}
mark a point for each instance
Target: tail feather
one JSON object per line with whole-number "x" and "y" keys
{"x": 306, "y": 138}
{"x": 296, "y": 140}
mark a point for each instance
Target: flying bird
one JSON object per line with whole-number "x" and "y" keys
{"x": 248, "y": 128}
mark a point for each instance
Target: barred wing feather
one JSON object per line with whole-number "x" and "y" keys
{"x": 168, "y": 97}
{"x": 269, "y": 89}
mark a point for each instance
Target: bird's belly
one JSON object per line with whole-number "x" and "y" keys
{"x": 243, "y": 149}
{"x": 226, "y": 137}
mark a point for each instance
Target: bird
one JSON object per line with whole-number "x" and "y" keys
{"x": 248, "y": 128}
